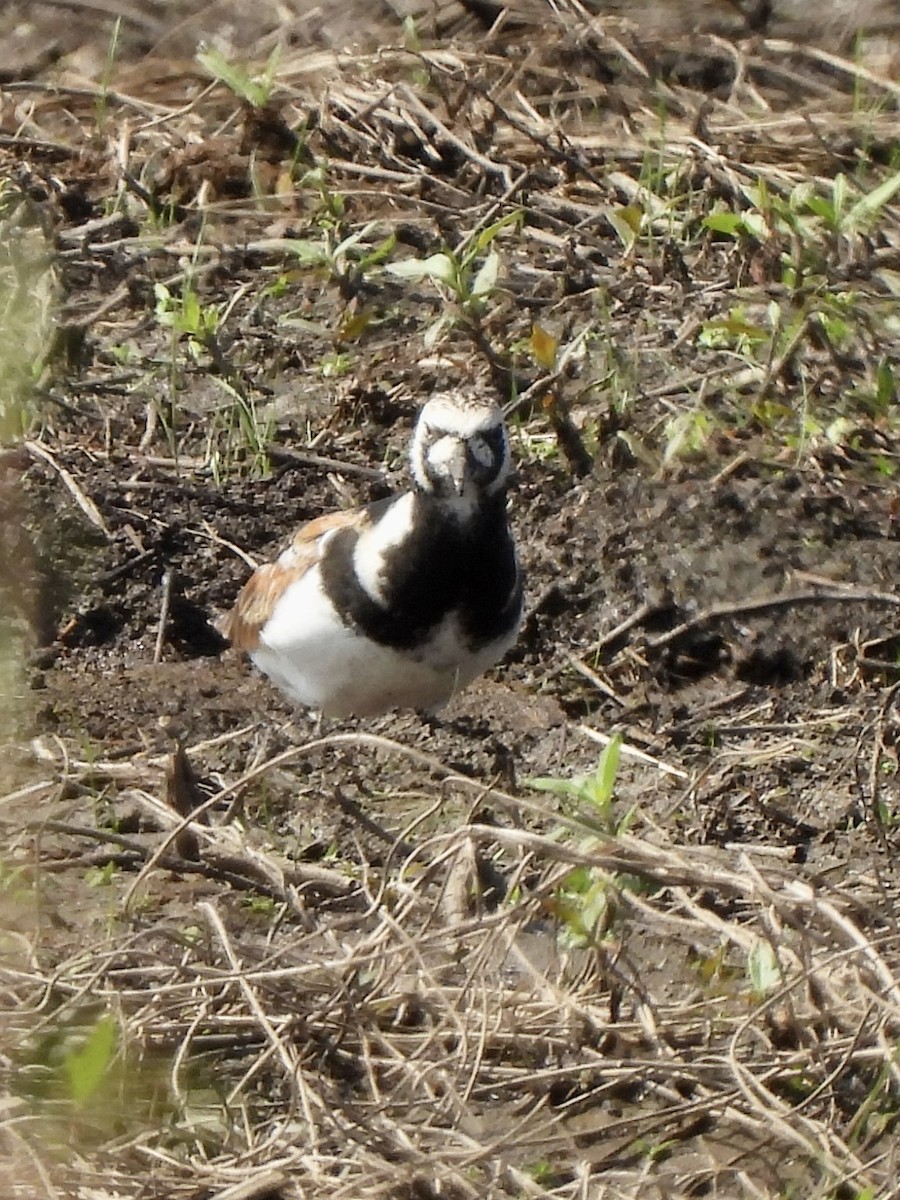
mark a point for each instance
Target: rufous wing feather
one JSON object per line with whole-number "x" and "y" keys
{"x": 268, "y": 583}
{"x": 256, "y": 602}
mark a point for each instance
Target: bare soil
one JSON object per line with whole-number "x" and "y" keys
{"x": 359, "y": 971}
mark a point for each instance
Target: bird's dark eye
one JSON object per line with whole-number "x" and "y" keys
{"x": 486, "y": 453}
{"x": 496, "y": 440}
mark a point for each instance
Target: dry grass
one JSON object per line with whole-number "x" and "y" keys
{"x": 386, "y": 1035}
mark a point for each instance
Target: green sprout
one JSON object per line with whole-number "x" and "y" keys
{"x": 467, "y": 276}
{"x": 255, "y": 89}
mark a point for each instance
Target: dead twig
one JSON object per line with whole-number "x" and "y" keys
{"x": 633, "y": 752}
{"x": 593, "y": 678}
{"x": 84, "y": 502}
{"x": 164, "y": 605}
{"x": 639, "y": 615}
{"x": 721, "y": 612}
{"x": 305, "y": 459}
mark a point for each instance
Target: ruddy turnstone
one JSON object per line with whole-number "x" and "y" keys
{"x": 404, "y": 602}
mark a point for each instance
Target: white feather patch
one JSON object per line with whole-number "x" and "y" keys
{"x": 391, "y": 531}
{"x": 461, "y": 419}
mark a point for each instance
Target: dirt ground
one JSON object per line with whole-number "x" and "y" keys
{"x": 378, "y": 962}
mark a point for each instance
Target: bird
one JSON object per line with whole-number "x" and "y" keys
{"x": 402, "y": 603}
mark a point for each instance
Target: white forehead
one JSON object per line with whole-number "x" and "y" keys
{"x": 445, "y": 450}
{"x": 462, "y": 419}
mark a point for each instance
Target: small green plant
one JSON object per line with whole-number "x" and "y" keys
{"x": 466, "y": 276}
{"x": 627, "y": 222}
{"x": 335, "y": 364}
{"x": 411, "y": 39}
{"x": 878, "y": 1113}
{"x": 332, "y": 205}
{"x": 260, "y": 906}
{"x": 193, "y": 325}
{"x": 592, "y": 795}
{"x": 884, "y": 811}
{"x": 255, "y": 89}
{"x": 654, "y": 1152}
{"x": 718, "y": 974}
{"x": 736, "y": 332}
{"x": 238, "y": 438}
{"x": 543, "y": 1172}
{"x": 346, "y": 258}
{"x": 86, "y": 1065}
{"x": 585, "y": 903}
{"x": 236, "y": 434}
{"x": 101, "y": 104}
{"x": 661, "y": 205}
{"x": 98, "y": 877}
{"x": 687, "y": 433}
{"x": 85, "y": 1086}
{"x": 807, "y": 221}
{"x": 15, "y": 885}
{"x": 187, "y": 318}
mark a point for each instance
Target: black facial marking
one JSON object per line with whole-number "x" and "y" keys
{"x": 496, "y": 439}
{"x": 443, "y": 566}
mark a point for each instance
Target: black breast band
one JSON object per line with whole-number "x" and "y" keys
{"x": 443, "y": 566}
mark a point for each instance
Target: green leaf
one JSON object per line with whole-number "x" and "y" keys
{"x": 255, "y": 91}
{"x": 438, "y": 266}
{"x": 604, "y": 781}
{"x": 595, "y": 906}
{"x": 596, "y": 790}
{"x": 164, "y": 305}
{"x": 308, "y": 252}
{"x": 686, "y": 433}
{"x": 822, "y": 208}
{"x": 486, "y": 236}
{"x": 379, "y": 253}
{"x": 97, "y": 877}
{"x": 86, "y": 1067}
{"x": 486, "y": 279}
{"x": 578, "y": 881}
{"x": 571, "y": 788}
{"x": 353, "y": 325}
{"x": 411, "y": 34}
{"x": 737, "y": 326}
{"x": 626, "y": 223}
{"x": 755, "y": 223}
{"x": 870, "y": 205}
{"x": 763, "y": 969}
{"x": 802, "y": 195}
{"x": 315, "y": 177}
{"x": 725, "y": 222}
{"x": 190, "y": 311}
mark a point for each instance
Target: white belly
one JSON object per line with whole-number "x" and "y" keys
{"x": 307, "y": 650}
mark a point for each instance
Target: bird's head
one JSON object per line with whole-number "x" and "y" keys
{"x": 460, "y": 449}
